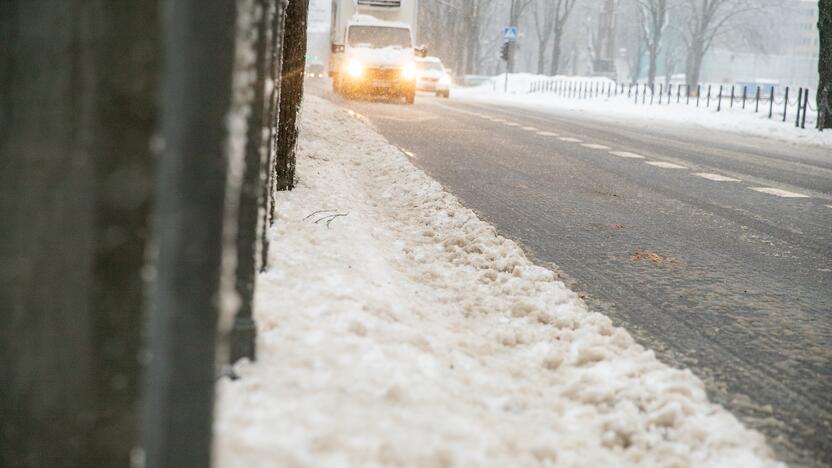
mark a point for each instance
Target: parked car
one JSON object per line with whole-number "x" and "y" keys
{"x": 432, "y": 76}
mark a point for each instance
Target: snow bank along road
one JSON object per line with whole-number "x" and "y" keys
{"x": 711, "y": 248}
{"x": 398, "y": 329}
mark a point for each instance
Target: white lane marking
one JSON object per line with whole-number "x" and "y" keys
{"x": 779, "y": 192}
{"x": 498, "y": 120}
{"x": 530, "y": 129}
{"x": 829, "y": 206}
{"x": 665, "y": 165}
{"x": 715, "y": 177}
{"x": 511, "y": 124}
{"x": 547, "y": 133}
{"x": 595, "y": 146}
{"x": 570, "y": 139}
{"x": 626, "y": 154}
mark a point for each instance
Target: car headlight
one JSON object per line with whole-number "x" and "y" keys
{"x": 409, "y": 71}
{"x": 355, "y": 68}
{"x": 445, "y": 80}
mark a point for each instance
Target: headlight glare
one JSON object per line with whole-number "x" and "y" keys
{"x": 446, "y": 79}
{"x": 355, "y": 69}
{"x": 409, "y": 71}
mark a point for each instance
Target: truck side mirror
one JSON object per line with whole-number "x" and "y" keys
{"x": 421, "y": 51}
{"x": 337, "y": 48}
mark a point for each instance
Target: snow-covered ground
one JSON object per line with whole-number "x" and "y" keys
{"x": 617, "y": 107}
{"x": 398, "y": 329}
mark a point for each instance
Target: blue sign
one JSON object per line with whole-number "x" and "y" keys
{"x": 510, "y": 33}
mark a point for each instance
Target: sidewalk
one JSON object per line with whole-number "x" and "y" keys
{"x": 398, "y": 329}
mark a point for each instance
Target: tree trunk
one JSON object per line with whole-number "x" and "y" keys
{"x": 291, "y": 92}
{"x": 78, "y": 93}
{"x": 179, "y": 388}
{"x": 696, "y": 54}
{"x": 651, "y": 69}
{"x": 556, "y": 45}
{"x": 825, "y": 61}
{"x": 541, "y": 57}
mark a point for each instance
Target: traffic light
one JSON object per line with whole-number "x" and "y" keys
{"x": 504, "y": 51}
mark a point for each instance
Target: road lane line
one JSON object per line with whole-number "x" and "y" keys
{"x": 570, "y": 139}
{"x": 498, "y": 120}
{"x": 626, "y": 154}
{"x": 511, "y": 124}
{"x": 716, "y": 177}
{"x": 829, "y": 206}
{"x": 665, "y": 165}
{"x": 778, "y": 192}
{"x": 595, "y": 146}
{"x": 530, "y": 129}
{"x": 553, "y": 134}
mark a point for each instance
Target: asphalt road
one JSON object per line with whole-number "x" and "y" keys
{"x": 711, "y": 248}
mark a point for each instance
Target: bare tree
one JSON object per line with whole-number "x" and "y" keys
{"x": 563, "y": 8}
{"x": 653, "y": 14}
{"x": 704, "y": 22}
{"x": 544, "y": 18}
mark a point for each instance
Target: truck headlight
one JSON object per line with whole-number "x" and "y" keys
{"x": 445, "y": 80}
{"x": 355, "y": 69}
{"x": 409, "y": 71}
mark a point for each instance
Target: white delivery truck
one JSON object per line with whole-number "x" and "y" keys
{"x": 372, "y": 49}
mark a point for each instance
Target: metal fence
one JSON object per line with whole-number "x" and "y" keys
{"x": 768, "y": 99}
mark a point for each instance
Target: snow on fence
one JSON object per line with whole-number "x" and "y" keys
{"x": 765, "y": 98}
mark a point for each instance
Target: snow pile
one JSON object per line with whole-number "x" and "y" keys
{"x": 398, "y": 329}
{"x": 737, "y": 120}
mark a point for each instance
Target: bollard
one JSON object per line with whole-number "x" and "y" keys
{"x": 669, "y": 92}
{"x": 786, "y": 104}
{"x": 698, "y": 93}
{"x": 757, "y": 108}
{"x": 636, "y": 94}
{"x": 708, "y": 101}
{"x": 744, "y": 90}
{"x": 644, "y": 95}
{"x": 771, "y": 103}
{"x": 799, "y": 99}
{"x": 719, "y": 100}
{"x": 732, "y": 96}
{"x": 652, "y": 92}
{"x": 805, "y": 108}
{"x": 661, "y": 92}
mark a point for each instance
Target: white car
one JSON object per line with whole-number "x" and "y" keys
{"x": 432, "y": 76}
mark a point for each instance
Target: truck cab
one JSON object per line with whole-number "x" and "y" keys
{"x": 374, "y": 54}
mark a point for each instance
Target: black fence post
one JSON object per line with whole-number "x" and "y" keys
{"x": 179, "y": 384}
{"x": 669, "y": 92}
{"x": 661, "y": 92}
{"x": 744, "y": 91}
{"x": 708, "y": 101}
{"x": 732, "y": 96}
{"x": 757, "y": 106}
{"x": 771, "y": 103}
{"x": 652, "y": 92}
{"x": 698, "y": 93}
{"x": 786, "y": 104}
{"x": 805, "y": 108}
{"x": 719, "y": 100}
{"x": 799, "y": 100}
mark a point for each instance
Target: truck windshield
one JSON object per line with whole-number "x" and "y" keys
{"x": 377, "y": 37}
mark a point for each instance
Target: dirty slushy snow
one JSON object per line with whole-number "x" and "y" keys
{"x": 406, "y": 331}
